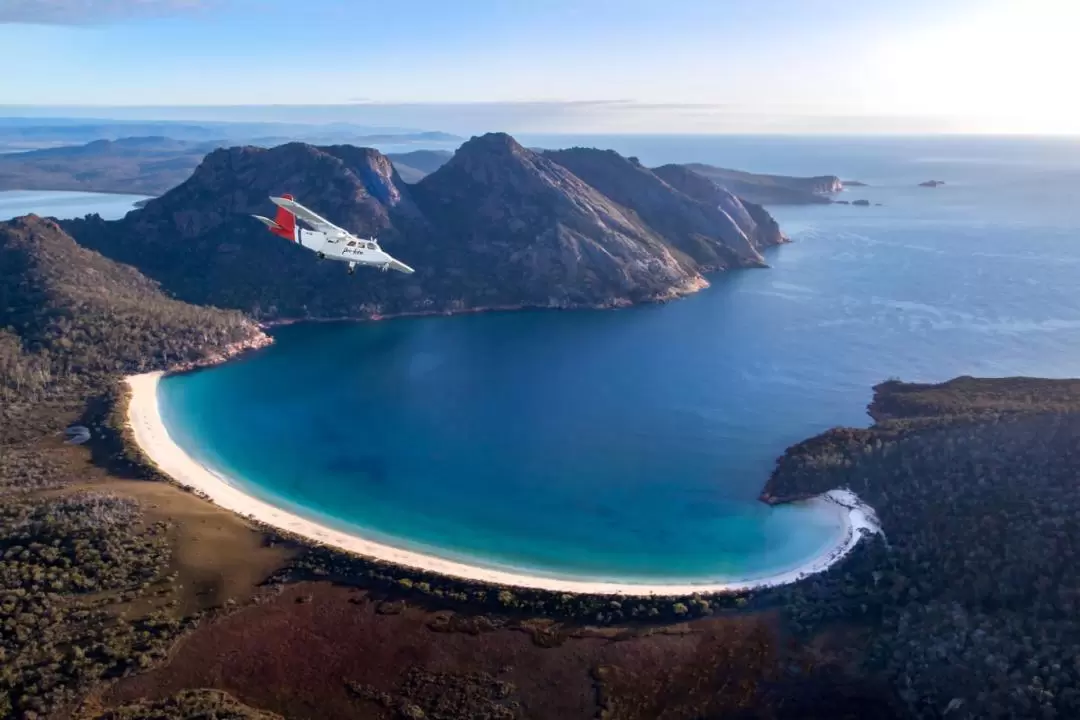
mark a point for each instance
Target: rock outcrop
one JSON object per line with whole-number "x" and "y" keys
{"x": 707, "y": 233}
{"x": 497, "y": 226}
{"x": 753, "y": 220}
{"x": 771, "y": 189}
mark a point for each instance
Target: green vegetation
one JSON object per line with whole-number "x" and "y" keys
{"x": 73, "y": 322}
{"x": 973, "y": 597}
{"x": 187, "y": 705}
{"x": 72, "y": 564}
{"x": 319, "y": 562}
{"x": 446, "y": 696}
{"x": 64, "y": 564}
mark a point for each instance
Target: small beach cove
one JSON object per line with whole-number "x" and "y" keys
{"x": 852, "y": 518}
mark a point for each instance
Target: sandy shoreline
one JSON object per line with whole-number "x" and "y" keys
{"x": 144, "y": 418}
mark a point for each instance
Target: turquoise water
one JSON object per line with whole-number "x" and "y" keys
{"x": 632, "y": 444}
{"x": 65, "y": 204}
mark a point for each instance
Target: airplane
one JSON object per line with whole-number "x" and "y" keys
{"x": 326, "y": 239}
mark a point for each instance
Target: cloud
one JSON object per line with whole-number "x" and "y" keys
{"x": 90, "y": 12}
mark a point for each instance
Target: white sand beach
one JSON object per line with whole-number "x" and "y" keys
{"x": 154, "y": 440}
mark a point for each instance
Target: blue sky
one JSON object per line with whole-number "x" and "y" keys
{"x": 559, "y": 65}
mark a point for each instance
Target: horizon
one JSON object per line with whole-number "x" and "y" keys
{"x": 690, "y": 67}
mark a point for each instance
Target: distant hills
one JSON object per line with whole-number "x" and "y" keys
{"x": 413, "y": 166}
{"x": 149, "y": 165}
{"x": 137, "y": 165}
{"x": 33, "y": 133}
{"x": 496, "y": 225}
{"x": 154, "y": 164}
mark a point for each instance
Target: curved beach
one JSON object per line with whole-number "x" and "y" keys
{"x": 153, "y": 438}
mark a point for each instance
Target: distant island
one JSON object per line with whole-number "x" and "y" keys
{"x": 931, "y": 183}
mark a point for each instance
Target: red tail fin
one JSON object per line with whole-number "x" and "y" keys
{"x": 286, "y": 222}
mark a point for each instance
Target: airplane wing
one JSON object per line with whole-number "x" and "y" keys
{"x": 401, "y": 267}
{"x": 317, "y": 222}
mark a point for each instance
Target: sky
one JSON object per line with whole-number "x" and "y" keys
{"x": 606, "y": 66}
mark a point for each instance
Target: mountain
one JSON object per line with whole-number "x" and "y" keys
{"x": 78, "y": 308}
{"x": 754, "y": 220}
{"x": 565, "y": 242}
{"x": 767, "y": 189}
{"x": 70, "y": 319}
{"x": 413, "y": 166}
{"x": 717, "y": 232}
{"x": 495, "y": 226}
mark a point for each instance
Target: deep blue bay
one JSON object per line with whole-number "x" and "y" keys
{"x": 632, "y": 444}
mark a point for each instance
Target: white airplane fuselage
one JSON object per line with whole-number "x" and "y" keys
{"x": 345, "y": 248}
{"x": 328, "y": 240}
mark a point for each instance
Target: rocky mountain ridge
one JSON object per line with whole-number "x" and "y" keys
{"x": 497, "y": 226}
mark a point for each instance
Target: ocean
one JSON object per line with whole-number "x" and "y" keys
{"x": 65, "y": 204}
{"x": 632, "y": 444}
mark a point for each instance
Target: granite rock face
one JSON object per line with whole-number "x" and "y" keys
{"x": 752, "y": 219}
{"x": 705, "y": 232}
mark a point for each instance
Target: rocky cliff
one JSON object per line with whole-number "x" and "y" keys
{"x": 496, "y": 226}
{"x": 752, "y": 219}
{"x": 769, "y": 189}
{"x": 705, "y": 232}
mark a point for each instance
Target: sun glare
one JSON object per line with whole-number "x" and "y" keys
{"x": 1009, "y": 67}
